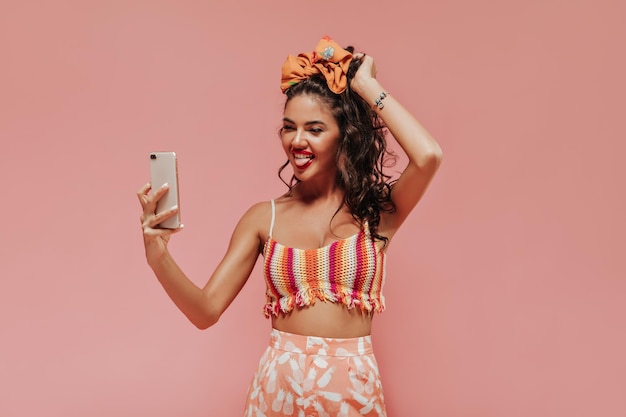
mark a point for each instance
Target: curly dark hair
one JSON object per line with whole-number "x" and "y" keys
{"x": 362, "y": 152}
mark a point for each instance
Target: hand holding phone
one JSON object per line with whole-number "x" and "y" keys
{"x": 164, "y": 169}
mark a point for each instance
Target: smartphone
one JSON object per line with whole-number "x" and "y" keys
{"x": 164, "y": 169}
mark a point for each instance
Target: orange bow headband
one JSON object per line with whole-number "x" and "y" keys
{"x": 328, "y": 58}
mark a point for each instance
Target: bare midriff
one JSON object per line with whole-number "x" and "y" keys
{"x": 324, "y": 319}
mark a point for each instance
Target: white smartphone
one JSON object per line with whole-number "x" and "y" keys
{"x": 164, "y": 169}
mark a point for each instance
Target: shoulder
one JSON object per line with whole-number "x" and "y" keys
{"x": 257, "y": 218}
{"x": 258, "y": 212}
{"x": 260, "y": 209}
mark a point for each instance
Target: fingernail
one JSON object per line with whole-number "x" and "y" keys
{"x": 174, "y": 208}
{"x": 164, "y": 185}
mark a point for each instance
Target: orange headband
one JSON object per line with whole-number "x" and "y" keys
{"x": 328, "y": 58}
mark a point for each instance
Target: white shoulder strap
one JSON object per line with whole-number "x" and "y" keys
{"x": 273, "y": 216}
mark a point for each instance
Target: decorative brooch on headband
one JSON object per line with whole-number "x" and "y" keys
{"x": 328, "y": 59}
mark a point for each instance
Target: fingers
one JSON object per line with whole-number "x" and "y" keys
{"x": 155, "y": 219}
{"x": 144, "y": 189}
{"x": 364, "y": 58}
{"x": 150, "y": 218}
{"x": 365, "y": 73}
{"x": 147, "y": 199}
{"x": 367, "y": 69}
{"x": 155, "y": 238}
{"x": 369, "y": 62}
{"x": 152, "y": 232}
{"x": 144, "y": 194}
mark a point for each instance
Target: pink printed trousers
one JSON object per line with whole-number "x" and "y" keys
{"x": 307, "y": 376}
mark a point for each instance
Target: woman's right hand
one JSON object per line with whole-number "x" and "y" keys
{"x": 155, "y": 239}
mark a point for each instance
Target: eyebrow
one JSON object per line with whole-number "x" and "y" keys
{"x": 312, "y": 122}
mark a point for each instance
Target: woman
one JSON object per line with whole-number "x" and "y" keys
{"x": 323, "y": 242}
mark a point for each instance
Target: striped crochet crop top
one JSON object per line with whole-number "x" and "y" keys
{"x": 349, "y": 271}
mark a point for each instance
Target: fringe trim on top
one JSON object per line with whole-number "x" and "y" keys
{"x": 306, "y": 298}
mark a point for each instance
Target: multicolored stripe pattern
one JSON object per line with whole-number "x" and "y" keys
{"x": 350, "y": 271}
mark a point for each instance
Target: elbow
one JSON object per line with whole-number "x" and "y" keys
{"x": 430, "y": 161}
{"x": 207, "y": 311}
{"x": 206, "y": 318}
{"x": 205, "y": 322}
{"x": 436, "y": 153}
{"x": 436, "y": 156}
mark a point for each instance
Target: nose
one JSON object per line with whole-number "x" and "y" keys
{"x": 298, "y": 141}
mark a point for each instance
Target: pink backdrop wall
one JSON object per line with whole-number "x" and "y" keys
{"x": 505, "y": 288}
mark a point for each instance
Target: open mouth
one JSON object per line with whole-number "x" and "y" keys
{"x": 303, "y": 159}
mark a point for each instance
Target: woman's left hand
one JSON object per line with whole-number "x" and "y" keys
{"x": 365, "y": 73}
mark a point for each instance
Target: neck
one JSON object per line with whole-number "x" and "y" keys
{"x": 309, "y": 192}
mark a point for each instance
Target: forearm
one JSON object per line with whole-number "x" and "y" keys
{"x": 186, "y": 295}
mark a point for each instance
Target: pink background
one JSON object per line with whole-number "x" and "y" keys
{"x": 506, "y": 288}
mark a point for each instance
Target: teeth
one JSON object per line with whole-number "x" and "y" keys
{"x": 302, "y": 160}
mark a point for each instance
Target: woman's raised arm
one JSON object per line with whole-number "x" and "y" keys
{"x": 422, "y": 150}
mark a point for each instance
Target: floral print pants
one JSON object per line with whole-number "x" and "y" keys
{"x": 306, "y": 376}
